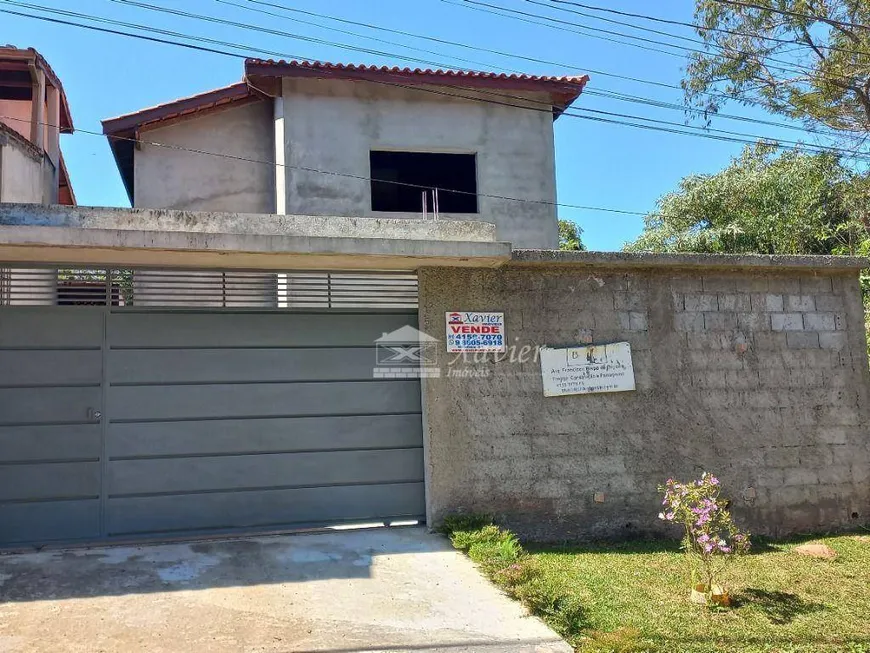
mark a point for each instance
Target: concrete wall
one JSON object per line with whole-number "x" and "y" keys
{"x": 333, "y": 125}
{"x": 22, "y": 177}
{"x": 759, "y": 377}
{"x": 167, "y": 178}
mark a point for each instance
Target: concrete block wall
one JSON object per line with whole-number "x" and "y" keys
{"x": 759, "y": 377}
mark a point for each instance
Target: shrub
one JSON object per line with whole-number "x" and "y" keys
{"x": 710, "y": 536}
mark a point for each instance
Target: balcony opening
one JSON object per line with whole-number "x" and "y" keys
{"x": 400, "y": 178}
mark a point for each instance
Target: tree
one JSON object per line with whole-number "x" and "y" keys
{"x": 569, "y": 236}
{"x": 805, "y": 59}
{"x": 791, "y": 203}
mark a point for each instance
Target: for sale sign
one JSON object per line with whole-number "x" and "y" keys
{"x": 475, "y": 332}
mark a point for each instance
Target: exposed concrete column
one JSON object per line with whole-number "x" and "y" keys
{"x": 280, "y": 182}
{"x": 37, "y": 107}
{"x": 52, "y": 144}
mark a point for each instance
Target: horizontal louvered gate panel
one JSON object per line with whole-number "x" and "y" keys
{"x": 206, "y": 289}
{"x": 142, "y": 404}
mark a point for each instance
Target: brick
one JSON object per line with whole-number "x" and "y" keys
{"x": 786, "y": 322}
{"x": 815, "y": 285}
{"x": 679, "y": 301}
{"x": 770, "y": 302}
{"x": 782, "y": 457}
{"x": 627, "y": 301}
{"x": 819, "y": 322}
{"x": 689, "y": 322}
{"x": 638, "y": 321}
{"x": 720, "y": 283}
{"x": 606, "y": 465}
{"x": 624, "y": 320}
{"x": 802, "y": 340}
{"x": 729, "y": 302}
{"x": 800, "y": 303}
{"x": 839, "y": 321}
{"x": 753, "y": 321}
{"x": 767, "y": 341}
{"x": 784, "y": 285}
{"x": 833, "y": 435}
{"x": 701, "y": 302}
{"x": 800, "y": 476}
{"x": 686, "y": 284}
{"x": 830, "y": 303}
{"x": 720, "y": 321}
{"x": 835, "y": 474}
{"x": 833, "y": 340}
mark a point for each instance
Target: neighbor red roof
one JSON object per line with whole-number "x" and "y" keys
{"x": 12, "y": 58}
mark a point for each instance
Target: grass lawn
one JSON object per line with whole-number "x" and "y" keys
{"x": 633, "y": 597}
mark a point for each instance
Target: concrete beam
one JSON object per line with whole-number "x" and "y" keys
{"x": 557, "y": 258}
{"x": 176, "y": 249}
{"x": 85, "y": 217}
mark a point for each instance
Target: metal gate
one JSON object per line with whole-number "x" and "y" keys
{"x": 125, "y": 419}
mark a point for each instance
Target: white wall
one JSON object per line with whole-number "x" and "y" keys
{"x": 332, "y": 125}
{"x": 22, "y": 178}
{"x": 166, "y": 178}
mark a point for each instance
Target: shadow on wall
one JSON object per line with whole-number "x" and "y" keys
{"x": 114, "y": 571}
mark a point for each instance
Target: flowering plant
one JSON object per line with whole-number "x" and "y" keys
{"x": 711, "y": 538}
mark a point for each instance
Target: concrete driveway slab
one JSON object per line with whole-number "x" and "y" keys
{"x": 398, "y": 589}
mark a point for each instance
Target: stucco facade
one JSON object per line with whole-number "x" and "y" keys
{"x": 759, "y": 376}
{"x": 175, "y": 177}
{"x": 333, "y": 125}
{"x": 303, "y": 147}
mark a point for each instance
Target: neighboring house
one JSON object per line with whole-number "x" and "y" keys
{"x": 33, "y": 114}
{"x": 355, "y": 141}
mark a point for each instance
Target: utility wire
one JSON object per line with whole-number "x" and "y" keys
{"x": 670, "y": 127}
{"x": 785, "y": 67}
{"x": 509, "y": 97}
{"x": 696, "y": 26}
{"x": 624, "y": 97}
{"x": 170, "y": 146}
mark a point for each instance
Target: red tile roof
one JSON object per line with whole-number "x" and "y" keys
{"x": 178, "y": 108}
{"x": 564, "y": 89}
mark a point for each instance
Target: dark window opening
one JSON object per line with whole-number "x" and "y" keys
{"x": 454, "y": 175}
{"x": 86, "y": 293}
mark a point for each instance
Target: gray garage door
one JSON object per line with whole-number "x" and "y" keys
{"x": 118, "y": 423}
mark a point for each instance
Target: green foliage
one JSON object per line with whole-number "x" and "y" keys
{"x": 569, "y": 236}
{"x": 805, "y": 59}
{"x": 794, "y": 203}
{"x": 464, "y": 522}
{"x": 630, "y": 597}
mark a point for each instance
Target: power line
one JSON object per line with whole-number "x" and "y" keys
{"x": 670, "y": 127}
{"x": 140, "y": 141}
{"x": 509, "y": 97}
{"x": 696, "y": 26}
{"x": 785, "y": 67}
{"x": 624, "y": 97}
{"x": 794, "y": 14}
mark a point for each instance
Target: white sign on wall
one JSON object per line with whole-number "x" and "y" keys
{"x": 475, "y": 332}
{"x": 585, "y": 370}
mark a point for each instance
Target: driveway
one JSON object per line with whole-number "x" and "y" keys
{"x": 398, "y": 589}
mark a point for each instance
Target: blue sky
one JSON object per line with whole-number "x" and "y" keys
{"x": 597, "y": 164}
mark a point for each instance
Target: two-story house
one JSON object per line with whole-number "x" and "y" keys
{"x": 33, "y": 114}
{"x": 318, "y": 139}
